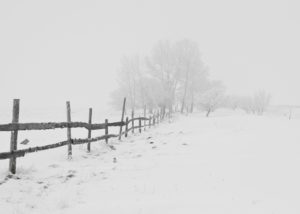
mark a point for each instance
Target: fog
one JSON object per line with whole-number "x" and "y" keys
{"x": 53, "y": 51}
{"x": 210, "y": 120}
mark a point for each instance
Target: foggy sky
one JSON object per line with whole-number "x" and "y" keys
{"x": 53, "y": 51}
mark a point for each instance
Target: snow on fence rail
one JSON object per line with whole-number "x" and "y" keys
{"x": 15, "y": 126}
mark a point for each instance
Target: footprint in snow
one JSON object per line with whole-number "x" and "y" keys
{"x": 53, "y": 166}
{"x": 112, "y": 147}
{"x": 71, "y": 174}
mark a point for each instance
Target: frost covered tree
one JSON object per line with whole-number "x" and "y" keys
{"x": 233, "y": 102}
{"x": 261, "y": 100}
{"x": 255, "y": 104}
{"x": 191, "y": 70}
{"x": 129, "y": 81}
{"x": 162, "y": 67}
{"x": 246, "y": 103}
{"x": 212, "y": 98}
{"x": 172, "y": 74}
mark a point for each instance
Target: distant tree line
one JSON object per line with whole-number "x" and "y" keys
{"x": 255, "y": 104}
{"x": 173, "y": 77}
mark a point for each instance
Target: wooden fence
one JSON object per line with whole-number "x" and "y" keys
{"x": 129, "y": 123}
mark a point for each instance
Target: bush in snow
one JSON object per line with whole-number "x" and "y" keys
{"x": 261, "y": 100}
{"x": 213, "y": 98}
{"x": 255, "y": 104}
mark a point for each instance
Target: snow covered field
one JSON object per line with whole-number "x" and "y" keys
{"x": 228, "y": 163}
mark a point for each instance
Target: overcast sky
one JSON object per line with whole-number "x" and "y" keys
{"x": 51, "y": 51}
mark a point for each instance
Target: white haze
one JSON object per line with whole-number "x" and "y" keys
{"x": 53, "y": 51}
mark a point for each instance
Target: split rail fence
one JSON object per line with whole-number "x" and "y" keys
{"x": 130, "y": 124}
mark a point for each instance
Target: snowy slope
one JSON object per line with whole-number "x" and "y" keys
{"x": 228, "y": 163}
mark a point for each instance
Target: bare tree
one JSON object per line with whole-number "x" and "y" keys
{"x": 261, "y": 101}
{"x": 213, "y": 98}
{"x": 173, "y": 73}
{"x": 255, "y": 104}
{"x": 190, "y": 69}
{"x": 129, "y": 80}
{"x": 162, "y": 68}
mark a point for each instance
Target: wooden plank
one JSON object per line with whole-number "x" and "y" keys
{"x": 103, "y": 137}
{"x": 22, "y": 152}
{"x": 89, "y": 130}
{"x": 51, "y": 125}
{"x": 69, "y": 135}
{"x": 122, "y": 118}
{"x": 14, "y": 136}
{"x": 137, "y": 118}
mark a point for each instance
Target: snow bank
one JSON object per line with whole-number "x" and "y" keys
{"x": 227, "y": 163}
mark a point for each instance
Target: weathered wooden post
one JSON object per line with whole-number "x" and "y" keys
{"x": 126, "y": 127}
{"x": 132, "y": 121}
{"x": 90, "y": 130}
{"x": 140, "y": 125}
{"x": 144, "y": 117}
{"x": 14, "y": 136}
{"x": 106, "y": 130}
{"x": 69, "y": 130}
{"x": 154, "y": 119}
{"x": 150, "y": 122}
{"x": 122, "y": 118}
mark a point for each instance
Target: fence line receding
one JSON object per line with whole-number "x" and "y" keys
{"x": 129, "y": 123}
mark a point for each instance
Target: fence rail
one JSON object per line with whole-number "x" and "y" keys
{"x": 51, "y": 125}
{"x": 23, "y": 152}
{"x": 15, "y": 126}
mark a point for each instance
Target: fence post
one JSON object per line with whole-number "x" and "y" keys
{"x": 90, "y": 130}
{"x": 150, "y": 122}
{"x": 69, "y": 130}
{"x": 154, "y": 119}
{"x": 140, "y": 124}
{"x": 106, "y": 130}
{"x": 132, "y": 121}
{"x": 122, "y": 118}
{"x": 14, "y": 136}
{"x": 145, "y": 117}
{"x": 126, "y": 127}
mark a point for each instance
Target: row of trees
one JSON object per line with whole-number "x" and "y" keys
{"x": 173, "y": 76}
{"x": 255, "y": 104}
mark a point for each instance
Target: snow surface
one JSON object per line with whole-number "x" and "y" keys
{"x": 228, "y": 163}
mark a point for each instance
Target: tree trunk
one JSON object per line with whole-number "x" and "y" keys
{"x": 208, "y": 112}
{"x": 192, "y": 107}
{"x": 185, "y": 91}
